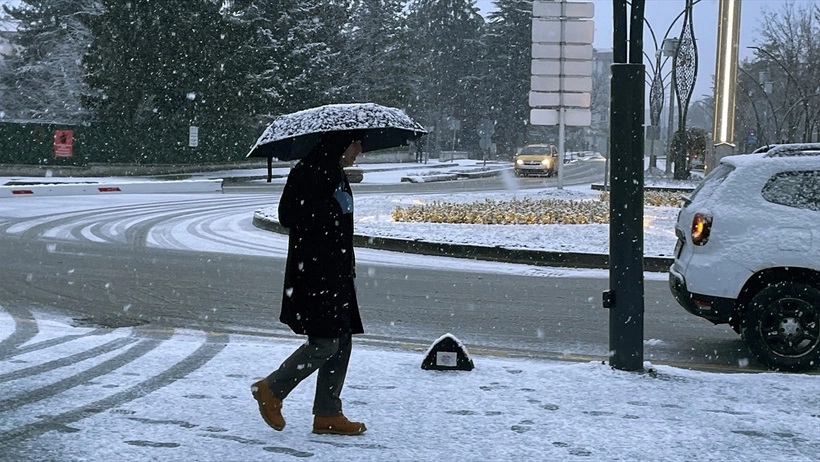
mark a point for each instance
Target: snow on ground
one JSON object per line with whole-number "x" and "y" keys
{"x": 373, "y": 211}
{"x": 373, "y": 216}
{"x": 186, "y": 395}
{"x": 505, "y": 409}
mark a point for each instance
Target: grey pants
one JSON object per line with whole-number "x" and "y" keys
{"x": 331, "y": 357}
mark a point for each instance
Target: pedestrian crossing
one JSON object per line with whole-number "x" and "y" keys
{"x": 53, "y": 373}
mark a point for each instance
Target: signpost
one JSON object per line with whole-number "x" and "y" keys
{"x": 485, "y": 130}
{"x": 561, "y": 82}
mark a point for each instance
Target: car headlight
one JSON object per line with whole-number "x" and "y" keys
{"x": 546, "y": 162}
{"x": 519, "y": 162}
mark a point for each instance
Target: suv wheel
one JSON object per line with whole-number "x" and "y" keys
{"x": 781, "y": 326}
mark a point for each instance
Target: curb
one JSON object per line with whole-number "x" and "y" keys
{"x": 485, "y": 253}
{"x": 452, "y": 176}
{"x": 484, "y": 173}
{"x": 428, "y": 178}
{"x": 680, "y": 189}
{"x": 28, "y": 189}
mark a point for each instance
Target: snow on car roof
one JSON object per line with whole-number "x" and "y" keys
{"x": 777, "y": 162}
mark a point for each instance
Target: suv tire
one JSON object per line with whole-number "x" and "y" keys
{"x": 781, "y": 326}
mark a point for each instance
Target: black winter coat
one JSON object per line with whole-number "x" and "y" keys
{"x": 319, "y": 297}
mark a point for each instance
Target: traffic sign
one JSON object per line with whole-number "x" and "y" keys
{"x": 556, "y": 51}
{"x": 552, "y": 9}
{"x": 485, "y": 128}
{"x": 567, "y": 84}
{"x": 550, "y": 31}
{"x": 553, "y": 99}
{"x": 565, "y": 68}
{"x": 561, "y": 67}
{"x": 573, "y": 117}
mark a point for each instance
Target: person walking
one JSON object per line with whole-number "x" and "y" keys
{"x": 319, "y": 296}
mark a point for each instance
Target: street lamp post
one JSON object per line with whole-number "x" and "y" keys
{"x": 723, "y": 130}
{"x": 670, "y": 46}
{"x": 656, "y": 93}
{"x": 655, "y": 108}
{"x": 684, "y": 74}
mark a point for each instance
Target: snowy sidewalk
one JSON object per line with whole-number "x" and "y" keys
{"x": 185, "y": 395}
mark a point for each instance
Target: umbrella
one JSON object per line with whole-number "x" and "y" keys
{"x": 293, "y": 136}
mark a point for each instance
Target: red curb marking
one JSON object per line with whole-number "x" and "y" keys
{"x": 22, "y": 191}
{"x": 109, "y": 189}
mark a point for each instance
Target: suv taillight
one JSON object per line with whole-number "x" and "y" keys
{"x": 701, "y": 227}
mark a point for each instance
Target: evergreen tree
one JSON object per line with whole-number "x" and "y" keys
{"x": 509, "y": 43}
{"x": 45, "y": 78}
{"x": 297, "y": 48}
{"x": 376, "y": 53}
{"x": 170, "y": 61}
{"x": 447, "y": 52}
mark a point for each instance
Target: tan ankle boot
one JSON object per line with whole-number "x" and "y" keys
{"x": 337, "y": 425}
{"x": 269, "y": 405}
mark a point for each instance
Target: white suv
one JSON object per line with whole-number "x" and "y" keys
{"x": 748, "y": 253}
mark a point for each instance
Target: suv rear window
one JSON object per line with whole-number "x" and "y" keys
{"x": 710, "y": 183}
{"x": 794, "y": 189}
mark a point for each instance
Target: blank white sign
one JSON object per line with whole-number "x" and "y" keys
{"x": 572, "y": 117}
{"x": 553, "y": 84}
{"x": 541, "y": 99}
{"x": 551, "y": 8}
{"x": 553, "y": 67}
{"x": 553, "y": 51}
{"x": 549, "y": 31}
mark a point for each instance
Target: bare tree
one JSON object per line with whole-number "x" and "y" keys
{"x": 780, "y": 83}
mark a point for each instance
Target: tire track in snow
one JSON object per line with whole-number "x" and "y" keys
{"x": 55, "y": 341}
{"x": 40, "y": 226}
{"x": 139, "y": 236}
{"x": 110, "y": 346}
{"x": 201, "y": 356}
{"x": 141, "y": 348}
{"x": 25, "y": 328}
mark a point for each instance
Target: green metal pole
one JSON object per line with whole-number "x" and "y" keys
{"x": 625, "y": 297}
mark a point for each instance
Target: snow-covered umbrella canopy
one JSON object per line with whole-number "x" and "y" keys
{"x": 292, "y": 136}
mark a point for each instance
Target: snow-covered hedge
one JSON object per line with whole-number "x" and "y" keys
{"x": 524, "y": 211}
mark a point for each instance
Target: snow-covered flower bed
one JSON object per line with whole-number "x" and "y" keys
{"x": 524, "y": 211}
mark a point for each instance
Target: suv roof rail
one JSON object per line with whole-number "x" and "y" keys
{"x": 797, "y": 149}
{"x": 765, "y": 148}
